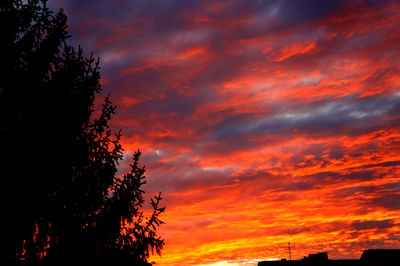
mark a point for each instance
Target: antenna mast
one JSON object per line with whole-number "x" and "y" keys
{"x": 290, "y": 253}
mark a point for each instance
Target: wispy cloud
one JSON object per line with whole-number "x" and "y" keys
{"x": 263, "y": 122}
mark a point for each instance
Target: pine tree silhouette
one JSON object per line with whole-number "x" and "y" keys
{"x": 59, "y": 191}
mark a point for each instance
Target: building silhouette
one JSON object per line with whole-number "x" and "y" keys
{"x": 370, "y": 257}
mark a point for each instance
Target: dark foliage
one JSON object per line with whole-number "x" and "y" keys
{"x": 60, "y": 196}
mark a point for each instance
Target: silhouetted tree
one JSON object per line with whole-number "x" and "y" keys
{"x": 60, "y": 196}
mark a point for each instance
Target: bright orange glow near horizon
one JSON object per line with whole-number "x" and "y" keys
{"x": 261, "y": 122}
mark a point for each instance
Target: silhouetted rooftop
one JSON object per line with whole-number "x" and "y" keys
{"x": 370, "y": 257}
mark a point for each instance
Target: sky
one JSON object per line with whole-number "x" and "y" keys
{"x": 261, "y": 122}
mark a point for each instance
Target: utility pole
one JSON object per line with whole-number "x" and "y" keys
{"x": 290, "y": 253}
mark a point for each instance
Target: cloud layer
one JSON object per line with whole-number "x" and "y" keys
{"x": 262, "y": 122}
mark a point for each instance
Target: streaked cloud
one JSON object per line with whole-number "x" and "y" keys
{"x": 263, "y": 122}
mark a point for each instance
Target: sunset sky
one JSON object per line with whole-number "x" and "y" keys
{"x": 261, "y": 122}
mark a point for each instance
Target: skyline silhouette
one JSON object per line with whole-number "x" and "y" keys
{"x": 369, "y": 257}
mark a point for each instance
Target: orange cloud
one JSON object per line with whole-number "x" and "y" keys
{"x": 294, "y": 49}
{"x": 262, "y": 124}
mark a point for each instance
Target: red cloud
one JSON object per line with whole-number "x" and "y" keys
{"x": 262, "y": 127}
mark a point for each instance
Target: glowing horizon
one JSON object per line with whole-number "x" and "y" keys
{"x": 261, "y": 122}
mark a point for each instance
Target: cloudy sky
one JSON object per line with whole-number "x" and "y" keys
{"x": 262, "y": 122}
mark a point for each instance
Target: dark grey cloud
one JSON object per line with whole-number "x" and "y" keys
{"x": 300, "y": 11}
{"x": 365, "y": 225}
{"x": 350, "y": 115}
